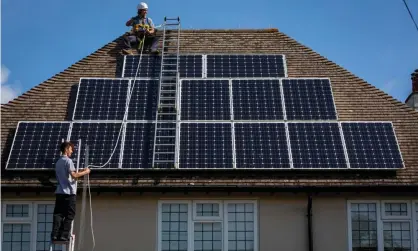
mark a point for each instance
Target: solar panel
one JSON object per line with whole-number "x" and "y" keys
{"x": 150, "y": 66}
{"x": 101, "y": 99}
{"x": 316, "y": 145}
{"x": 371, "y": 145}
{"x": 229, "y": 66}
{"x": 261, "y": 145}
{"x": 257, "y": 100}
{"x": 205, "y": 145}
{"x": 190, "y": 66}
{"x": 36, "y": 145}
{"x": 101, "y": 139}
{"x": 138, "y": 145}
{"x": 143, "y": 103}
{"x": 205, "y": 100}
{"x": 308, "y": 99}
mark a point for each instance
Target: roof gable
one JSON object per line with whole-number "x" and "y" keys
{"x": 355, "y": 99}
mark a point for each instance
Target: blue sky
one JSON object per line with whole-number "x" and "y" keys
{"x": 374, "y": 39}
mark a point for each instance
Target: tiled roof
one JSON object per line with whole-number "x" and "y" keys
{"x": 356, "y": 100}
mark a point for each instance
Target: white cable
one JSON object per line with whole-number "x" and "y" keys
{"x": 91, "y": 213}
{"x": 117, "y": 141}
{"x": 126, "y": 108}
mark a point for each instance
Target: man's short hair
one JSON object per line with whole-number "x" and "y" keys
{"x": 65, "y": 145}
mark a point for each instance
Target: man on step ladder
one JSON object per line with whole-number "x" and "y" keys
{"x": 143, "y": 33}
{"x": 65, "y": 201}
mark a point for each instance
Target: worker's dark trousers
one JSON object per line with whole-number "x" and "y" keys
{"x": 64, "y": 213}
{"x": 130, "y": 40}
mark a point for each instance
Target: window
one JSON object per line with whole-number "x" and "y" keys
{"x": 383, "y": 225}
{"x": 26, "y": 226}
{"x": 207, "y": 225}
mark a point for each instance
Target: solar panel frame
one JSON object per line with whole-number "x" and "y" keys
{"x": 180, "y": 99}
{"x": 122, "y": 155}
{"x": 178, "y": 149}
{"x": 274, "y": 82}
{"x": 341, "y": 138}
{"x": 288, "y": 151}
{"x": 117, "y": 153}
{"x": 246, "y": 54}
{"x": 124, "y": 65}
{"x": 159, "y": 65}
{"x": 14, "y": 141}
{"x": 373, "y": 122}
{"x": 92, "y": 78}
{"x": 310, "y": 78}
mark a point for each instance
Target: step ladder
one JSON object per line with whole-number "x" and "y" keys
{"x": 166, "y": 115}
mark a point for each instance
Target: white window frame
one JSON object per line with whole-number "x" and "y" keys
{"x": 32, "y": 220}
{"x": 207, "y": 218}
{"x": 380, "y": 219}
{"x": 390, "y": 217}
{"x": 191, "y": 219}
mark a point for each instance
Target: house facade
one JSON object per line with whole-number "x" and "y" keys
{"x": 248, "y": 209}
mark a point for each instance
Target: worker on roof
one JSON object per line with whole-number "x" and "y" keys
{"x": 143, "y": 29}
{"x": 65, "y": 194}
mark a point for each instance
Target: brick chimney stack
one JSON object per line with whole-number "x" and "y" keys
{"x": 414, "y": 78}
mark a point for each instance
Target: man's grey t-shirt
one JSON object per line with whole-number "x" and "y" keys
{"x": 63, "y": 169}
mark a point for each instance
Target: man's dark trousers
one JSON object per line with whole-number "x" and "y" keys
{"x": 64, "y": 213}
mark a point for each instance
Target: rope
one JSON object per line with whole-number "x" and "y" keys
{"x": 117, "y": 141}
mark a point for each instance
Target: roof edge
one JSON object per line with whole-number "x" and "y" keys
{"x": 34, "y": 90}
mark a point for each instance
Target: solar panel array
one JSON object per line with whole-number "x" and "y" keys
{"x": 234, "y": 111}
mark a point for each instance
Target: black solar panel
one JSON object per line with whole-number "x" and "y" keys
{"x": 257, "y": 100}
{"x": 190, "y": 66}
{"x": 316, "y": 145}
{"x": 36, "y": 145}
{"x": 371, "y": 145}
{"x": 261, "y": 145}
{"x": 143, "y": 102}
{"x": 308, "y": 99}
{"x": 138, "y": 145}
{"x": 205, "y": 145}
{"x": 205, "y": 100}
{"x": 229, "y": 66}
{"x": 101, "y": 139}
{"x": 150, "y": 66}
{"x": 101, "y": 99}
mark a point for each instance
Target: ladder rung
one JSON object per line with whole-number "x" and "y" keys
{"x": 164, "y": 161}
{"x": 165, "y": 152}
{"x": 169, "y": 70}
{"x": 165, "y": 144}
{"x": 166, "y": 129}
{"x": 165, "y": 136}
{"x": 169, "y": 64}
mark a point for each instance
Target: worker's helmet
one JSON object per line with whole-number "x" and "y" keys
{"x": 142, "y": 6}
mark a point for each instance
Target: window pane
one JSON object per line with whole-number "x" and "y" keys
{"x": 44, "y": 227}
{"x": 241, "y": 226}
{"x": 397, "y": 236}
{"x": 17, "y": 210}
{"x": 208, "y": 236}
{"x": 363, "y": 230}
{"x": 174, "y": 227}
{"x": 396, "y": 209}
{"x": 14, "y": 237}
{"x": 207, "y": 209}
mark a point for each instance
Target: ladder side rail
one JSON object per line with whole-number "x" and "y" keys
{"x": 159, "y": 93}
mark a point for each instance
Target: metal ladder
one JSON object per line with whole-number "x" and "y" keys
{"x": 166, "y": 115}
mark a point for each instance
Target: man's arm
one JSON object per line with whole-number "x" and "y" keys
{"x": 129, "y": 22}
{"x": 152, "y": 27}
{"x": 76, "y": 174}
